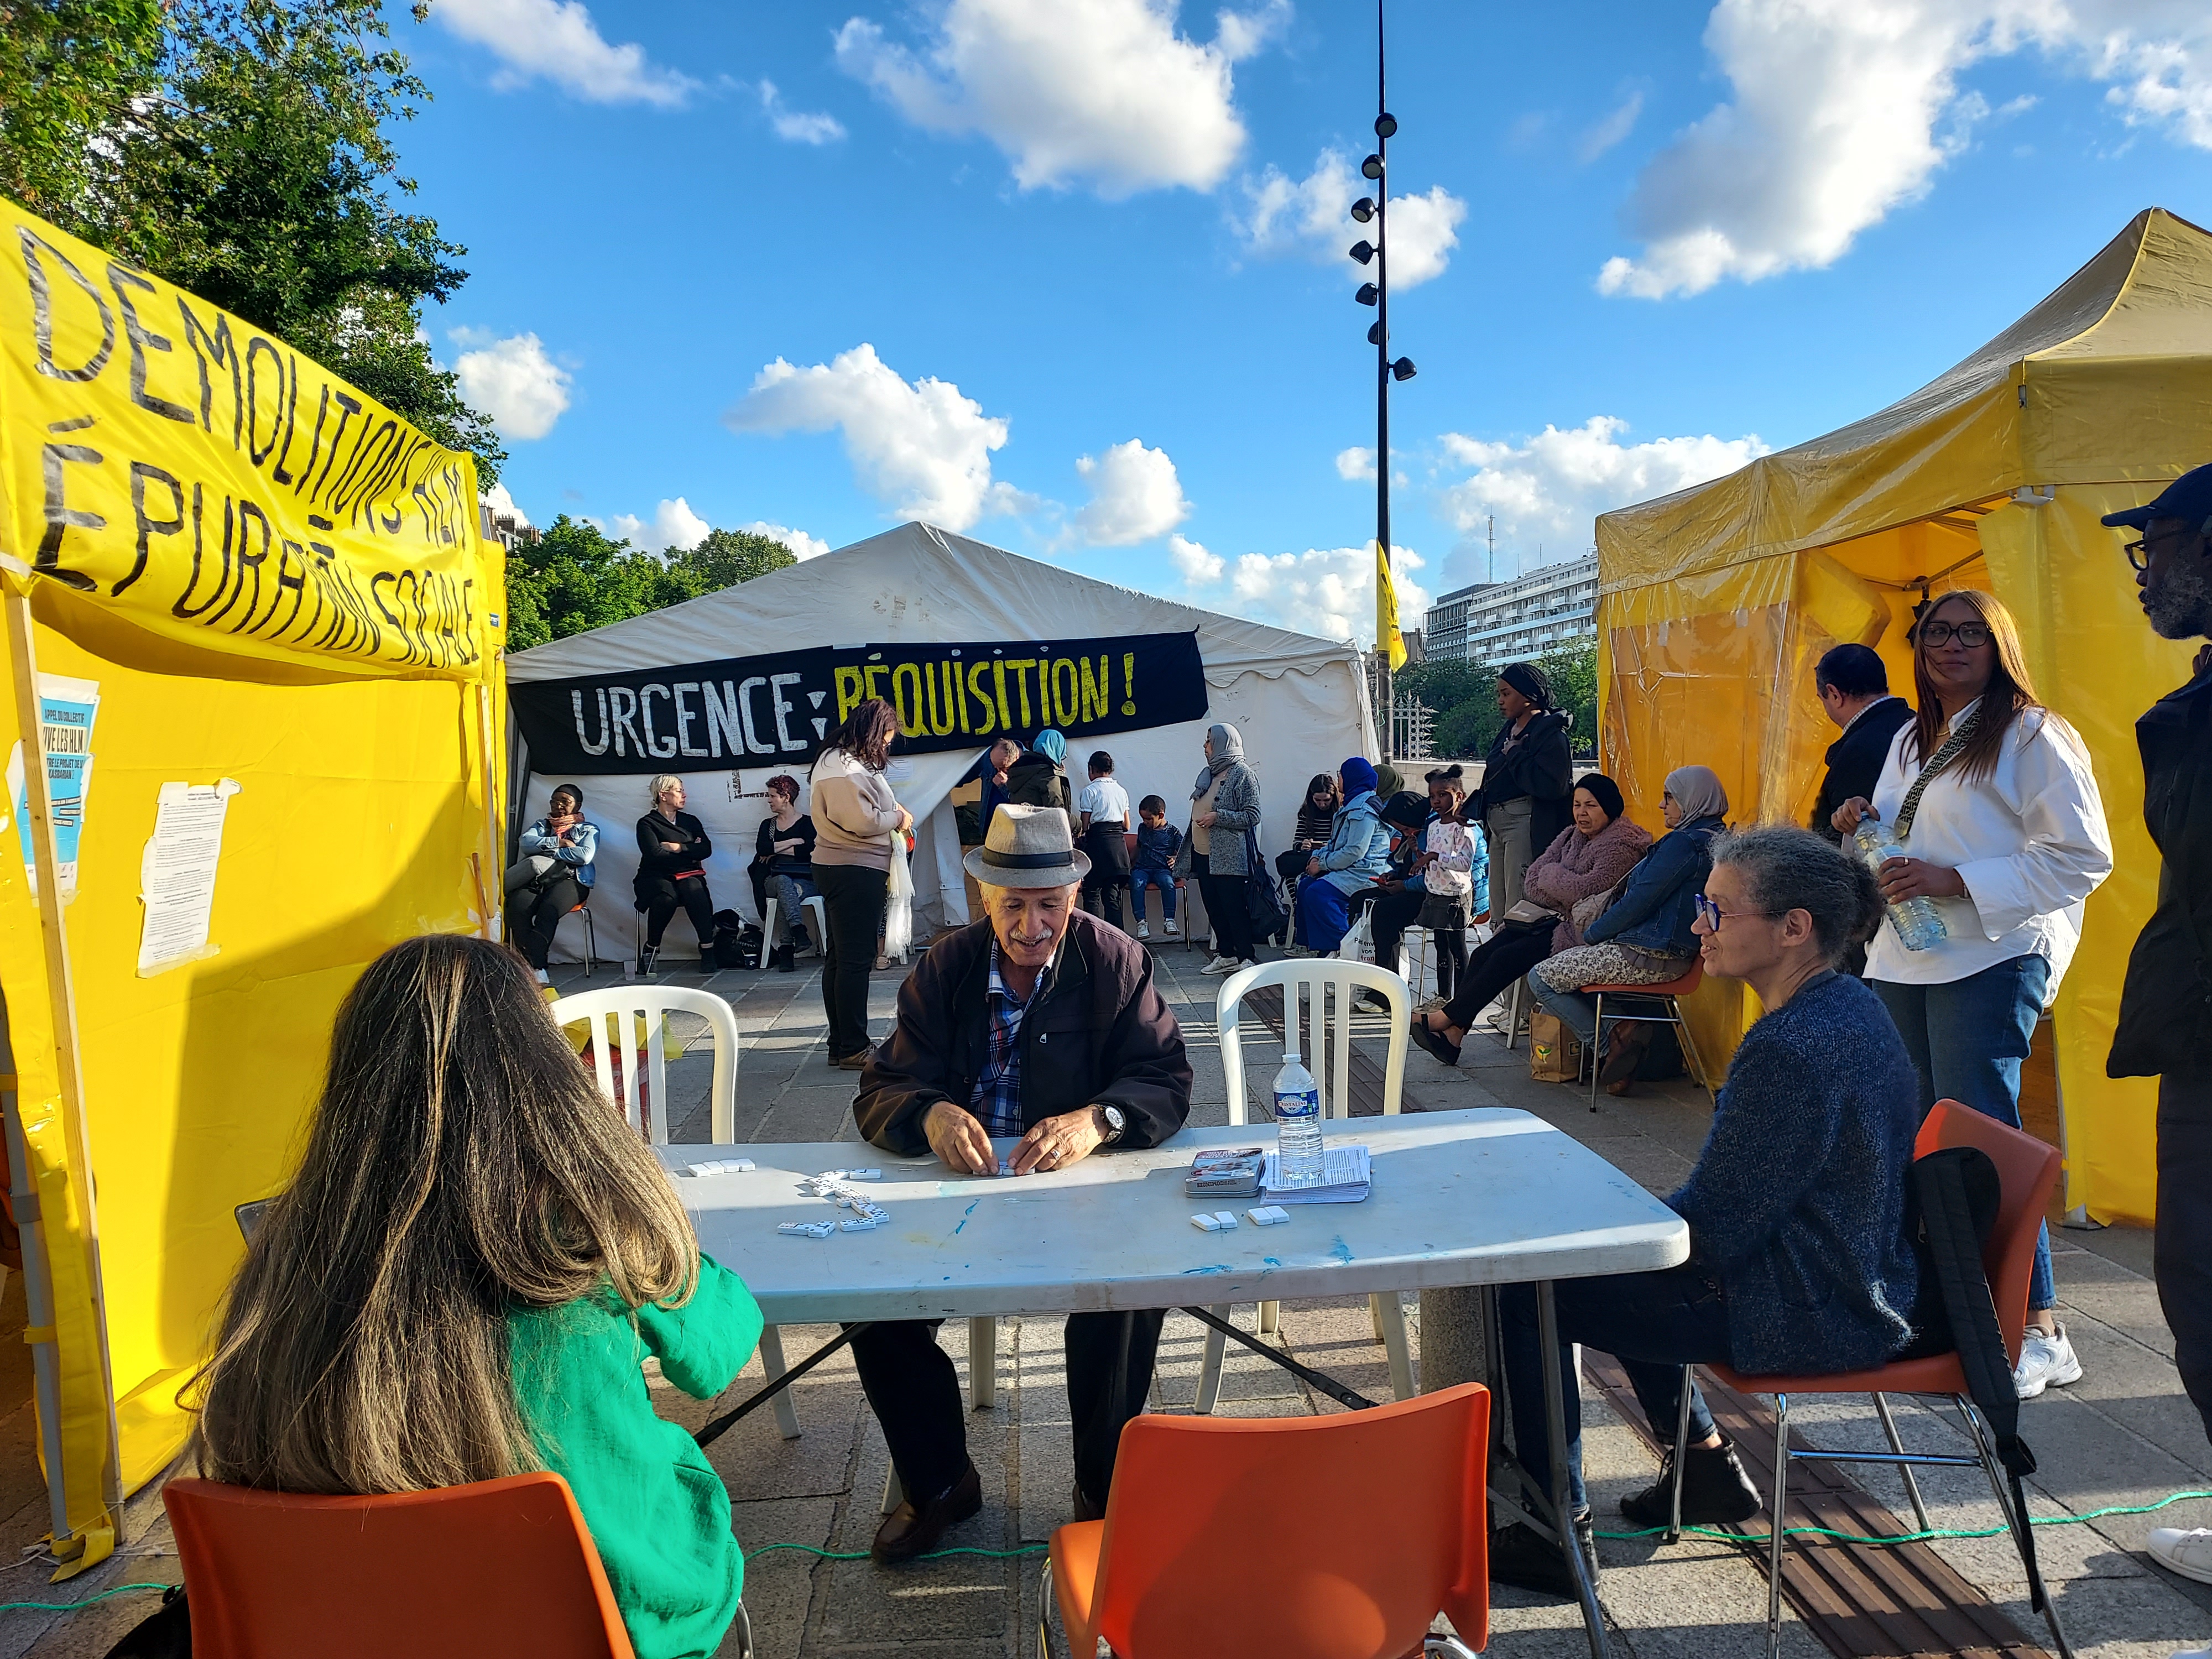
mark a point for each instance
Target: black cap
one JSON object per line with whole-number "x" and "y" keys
{"x": 2189, "y": 497}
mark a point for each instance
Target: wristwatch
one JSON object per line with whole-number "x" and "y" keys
{"x": 1115, "y": 1124}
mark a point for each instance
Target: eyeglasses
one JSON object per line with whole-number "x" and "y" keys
{"x": 2139, "y": 551}
{"x": 1972, "y": 636}
{"x": 1710, "y": 913}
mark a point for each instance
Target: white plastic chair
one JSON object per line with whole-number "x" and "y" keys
{"x": 817, "y": 911}
{"x": 1325, "y": 1021}
{"x": 619, "y": 1010}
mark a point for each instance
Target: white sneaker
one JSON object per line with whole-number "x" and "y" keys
{"x": 1173, "y": 931}
{"x": 543, "y": 978}
{"x": 1144, "y": 930}
{"x": 2185, "y": 1551}
{"x": 1222, "y": 965}
{"x": 1296, "y": 950}
{"x": 2045, "y": 1362}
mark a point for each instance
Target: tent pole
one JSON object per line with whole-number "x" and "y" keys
{"x": 62, "y": 997}
{"x": 37, "y": 1287}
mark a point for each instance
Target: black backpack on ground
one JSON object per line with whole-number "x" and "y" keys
{"x": 736, "y": 941}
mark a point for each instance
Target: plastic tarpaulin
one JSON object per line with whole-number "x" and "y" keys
{"x": 1716, "y": 602}
{"x": 158, "y": 1086}
{"x": 1300, "y": 702}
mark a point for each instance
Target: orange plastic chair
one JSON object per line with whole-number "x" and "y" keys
{"x": 1338, "y": 1537}
{"x": 498, "y": 1567}
{"x": 2027, "y": 1170}
{"x": 1670, "y": 994}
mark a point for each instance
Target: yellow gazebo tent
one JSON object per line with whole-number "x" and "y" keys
{"x": 1716, "y": 602}
{"x": 251, "y": 665}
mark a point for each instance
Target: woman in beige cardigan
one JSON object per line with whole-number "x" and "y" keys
{"x": 856, "y": 815}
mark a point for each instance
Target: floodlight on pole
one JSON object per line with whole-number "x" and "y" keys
{"x": 1362, "y": 251}
{"x": 1363, "y": 209}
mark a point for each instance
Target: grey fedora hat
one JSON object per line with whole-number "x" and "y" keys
{"x": 1027, "y": 847}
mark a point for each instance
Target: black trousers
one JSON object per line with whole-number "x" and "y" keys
{"x": 1491, "y": 970}
{"x": 756, "y": 877}
{"x": 1654, "y": 1323}
{"x": 1394, "y": 913}
{"x": 1451, "y": 958}
{"x": 532, "y": 918}
{"x": 852, "y": 898}
{"x": 691, "y": 894}
{"x": 915, "y": 1394}
{"x": 1109, "y": 850}
{"x": 1225, "y": 907}
{"x": 2182, "y": 1250}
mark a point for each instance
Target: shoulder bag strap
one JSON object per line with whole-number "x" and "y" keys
{"x": 1944, "y": 755}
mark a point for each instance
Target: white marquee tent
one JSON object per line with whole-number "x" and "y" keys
{"x": 1301, "y": 703}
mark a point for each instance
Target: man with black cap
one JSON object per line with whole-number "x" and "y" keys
{"x": 2165, "y": 1026}
{"x": 1040, "y": 1022}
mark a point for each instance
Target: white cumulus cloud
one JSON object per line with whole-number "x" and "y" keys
{"x": 512, "y": 380}
{"x": 797, "y": 126}
{"x": 1199, "y": 568}
{"x": 1356, "y": 465}
{"x": 1327, "y": 592}
{"x": 673, "y": 528}
{"x": 556, "y": 40}
{"x": 1135, "y": 497}
{"x": 1551, "y": 488}
{"x": 1106, "y": 92}
{"x": 1844, "y": 110}
{"x": 920, "y": 446}
{"x": 804, "y": 545}
{"x": 1312, "y": 216}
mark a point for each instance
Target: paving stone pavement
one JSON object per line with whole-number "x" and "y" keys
{"x": 2125, "y": 1435}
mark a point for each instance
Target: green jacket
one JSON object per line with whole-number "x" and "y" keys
{"x": 658, "y": 1512}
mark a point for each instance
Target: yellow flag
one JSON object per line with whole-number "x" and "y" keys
{"x": 1386, "y": 636}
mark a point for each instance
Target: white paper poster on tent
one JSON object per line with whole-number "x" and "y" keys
{"x": 177, "y": 872}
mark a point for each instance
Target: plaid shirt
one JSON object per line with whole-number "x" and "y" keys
{"x": 997, "y": 1098}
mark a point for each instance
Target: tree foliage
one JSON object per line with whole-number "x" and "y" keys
{"x": 242, "y": 149}
{"x": 577, "y": 576}
{"x": 1464, "y": 697}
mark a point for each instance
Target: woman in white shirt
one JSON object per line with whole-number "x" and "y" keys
{"x": 1993, "y": 799}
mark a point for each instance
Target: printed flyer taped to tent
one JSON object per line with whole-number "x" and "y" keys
{"x": 67, "y": 709}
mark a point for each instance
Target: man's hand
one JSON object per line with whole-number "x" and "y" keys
{"x": 1845, "y": 818}
{"x": 1911, "y": 879}
{"x": 999, "y": 779}
{"x": 1057, "y": 1142}
{"x": 958, "y": 1139}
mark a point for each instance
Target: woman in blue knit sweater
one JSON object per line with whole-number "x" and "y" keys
{"x": 1799, "y": 1258}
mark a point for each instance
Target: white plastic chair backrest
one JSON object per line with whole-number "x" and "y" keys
{"x": 1317, "y": 1025}
{"x": 623, "y": 1007}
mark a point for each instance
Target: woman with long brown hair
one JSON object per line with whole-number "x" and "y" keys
{"x": 2003, "y": 831}
{"x": 855, "y": 816}
{"x": 461, "y": 1280}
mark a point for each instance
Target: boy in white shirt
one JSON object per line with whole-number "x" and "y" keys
{"x": 1103, "y": 828}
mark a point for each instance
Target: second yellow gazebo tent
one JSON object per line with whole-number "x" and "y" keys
{"x": 1715, "y": 602}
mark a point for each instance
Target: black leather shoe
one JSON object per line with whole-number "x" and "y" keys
{"x": 1715, "y": 1491}
{"x": 781, "y": 961}
{"x": 908, "y": 1532}
{"x": 1522, "y": 1558}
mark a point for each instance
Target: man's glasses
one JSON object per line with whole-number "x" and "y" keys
{"x": 2139, "y": 551}
{"x": 1970, "y": 634}
{"x": 1710, "y": 913}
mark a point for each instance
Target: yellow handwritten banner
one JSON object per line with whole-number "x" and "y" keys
{"x": 194, "y": 476}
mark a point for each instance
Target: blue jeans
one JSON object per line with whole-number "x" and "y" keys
{"x": 1577, "y": 1012}
{"x": 1654, "y": 1323}
{"x": 1967, "y": 1039}
{"x": 1162, "y": 879}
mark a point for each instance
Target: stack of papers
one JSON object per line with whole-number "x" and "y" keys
{"x": 1347, "y": 1179}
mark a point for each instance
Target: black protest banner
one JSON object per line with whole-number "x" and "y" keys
{"x": 779, "y": 709}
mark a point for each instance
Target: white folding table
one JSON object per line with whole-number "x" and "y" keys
{"x": 1485, "y": 1197}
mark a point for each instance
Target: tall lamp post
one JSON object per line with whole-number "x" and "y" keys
{"x": 1376, "y": 209}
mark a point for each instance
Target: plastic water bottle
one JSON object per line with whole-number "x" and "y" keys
{"x": 1918, "y": 923}
{"x": 1298, "y": 1158}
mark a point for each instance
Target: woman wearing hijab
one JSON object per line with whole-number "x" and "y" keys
{"x": 1358, "y": 850}
{"x": 1588, "y": 860}
{"x": 1643, "y": 936}
{"x": 1037, "y": 779}
{"x": 1225, "y": 803}
{"x": 1527, "y": 781}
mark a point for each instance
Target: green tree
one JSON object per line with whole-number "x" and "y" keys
{"x": 577, "y": 576}
{"x": 242, "y": 149}
{"x": 1464, "y": 697}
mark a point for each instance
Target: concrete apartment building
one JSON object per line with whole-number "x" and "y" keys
{"x": 1506, "y": 621}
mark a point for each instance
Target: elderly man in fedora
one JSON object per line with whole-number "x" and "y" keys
{"x": 1039, "y": 1025}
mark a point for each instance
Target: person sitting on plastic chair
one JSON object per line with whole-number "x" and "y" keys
{"x": 461, "y": 1280}
{"x": 1800, "y": 1261}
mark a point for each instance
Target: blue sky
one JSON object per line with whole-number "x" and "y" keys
{"x": 1069, "y": 274}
